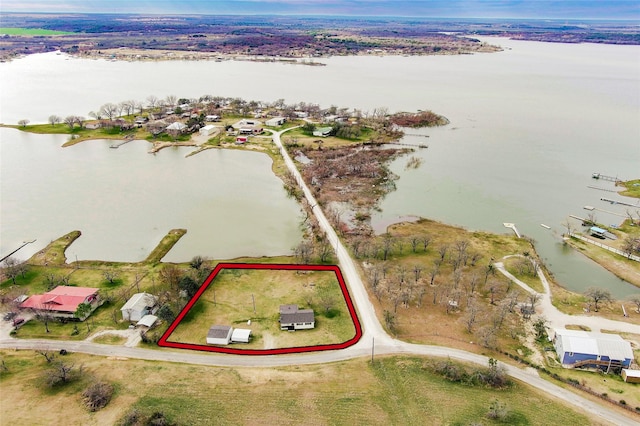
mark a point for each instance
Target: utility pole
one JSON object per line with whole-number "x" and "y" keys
{"x": 373, "y": 344}
{"x": 254, "y": 303}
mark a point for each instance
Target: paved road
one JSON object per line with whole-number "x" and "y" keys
{"x": 384, "y": 344}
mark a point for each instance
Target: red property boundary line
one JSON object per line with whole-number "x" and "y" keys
{"x": 299, "y": 349}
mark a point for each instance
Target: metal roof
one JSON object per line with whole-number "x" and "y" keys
{"x": 610, "y": 345}
{"x": 147, "y": 320}
{"x": 139, "y": 301}
{"x": 219, "y": 332}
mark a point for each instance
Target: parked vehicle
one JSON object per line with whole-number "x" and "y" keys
{"x": 9, "y": 316}
{"x": 17, "y": 322}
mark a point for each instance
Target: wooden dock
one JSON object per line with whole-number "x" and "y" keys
{"x": 601, "y": 189}
{"x": 512, "y": 226}
{"x": 622, "y": 203}
{"x": 605, "y": 177}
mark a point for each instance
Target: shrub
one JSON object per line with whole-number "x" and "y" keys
{"x": 97, "y": 395}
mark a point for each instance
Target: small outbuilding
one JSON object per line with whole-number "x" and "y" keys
{"x": 211, "y": 118}
{"x": 147, "y": 321}
{"x": 275, "y": 121}
{"x": 292, "y": 318}
{"x": 219, "y": 335}
{"x": 207, "y": 130}
{"x": 631, "y": 376}
{"x": 240, "y": 335}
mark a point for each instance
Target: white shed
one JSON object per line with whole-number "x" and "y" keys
{"x": 139, "y": 305}
{"x": 147, "y": 321}
{"x": 207, "y": 130}
{"x": 275, "y": 121}
{"x": 240, "y": 335}
{"x": 219, "y": 335}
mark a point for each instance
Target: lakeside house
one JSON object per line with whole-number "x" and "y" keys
{"x": 292, "y": 318}
{"x": 63, "y": 301}
{"x": 577, "y": 348}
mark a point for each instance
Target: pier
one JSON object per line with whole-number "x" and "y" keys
{"x": 605, "y": 177}
{"x": 24, "y": 243}
{"x": 622, "y": 203}
{"x": 512, "y": 226}
{"x": 601, "y": 189}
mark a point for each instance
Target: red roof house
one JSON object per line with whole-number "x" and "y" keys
{"x": 63, "y": 300}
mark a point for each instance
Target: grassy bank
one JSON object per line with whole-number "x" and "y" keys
{"x": 632, "y": 188}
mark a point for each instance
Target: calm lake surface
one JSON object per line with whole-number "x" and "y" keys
{"x": 528, "y": 128}
{"x": 125, "y": 200}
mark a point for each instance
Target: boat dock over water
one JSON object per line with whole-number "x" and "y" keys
{"x": 622, "y": 203}
{"x": 605, "y": 177}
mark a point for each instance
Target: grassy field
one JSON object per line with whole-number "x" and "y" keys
{"x": 229, "y": 301}
{"x": 395, "y": 390}
{"x": 31, "y": 32}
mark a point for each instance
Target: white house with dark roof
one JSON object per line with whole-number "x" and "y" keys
{"x": 292, "y": 318}
{"x": 219, "y": 335}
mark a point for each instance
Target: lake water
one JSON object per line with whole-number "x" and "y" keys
{"x": 528, "y": 128}
{"x": 125, "y": 200}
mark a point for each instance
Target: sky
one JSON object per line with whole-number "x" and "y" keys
{"x": 552, "y": 9}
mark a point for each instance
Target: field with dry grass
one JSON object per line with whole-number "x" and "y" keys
{"x": 394, "y": 390}
{"x": 229, "y": 300}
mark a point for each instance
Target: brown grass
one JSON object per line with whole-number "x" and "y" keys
{"x": 229, "y": 301}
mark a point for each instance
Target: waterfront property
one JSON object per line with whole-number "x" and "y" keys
{"x": 63, "y": 301}
{"x": 292, "y": 318}
{"x": 576, "y": 348}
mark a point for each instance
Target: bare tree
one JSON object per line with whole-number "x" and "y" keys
{"x": 47, "y": 354}
{"x": 471, "y": 317}
{"x": 70, "y": 121}
{"x": 11, "y": 268}
{"x": 62, "y": 373}
{"x": 426, "y": 239}
{"x": 303, "y": 252}
{"x": 54, "y": 119}
{"x": 635, "y": 299}
{"x": 109, "y": 110}
{"x": 598, "y": 295}
{"x": 569, "y": 226}
{"x": 325, "y": 250}
{"x": 110, "y": 276}
{"x": 387, "y": 245}
{"x": 171, "y": 100}
{"x": 442, "y": 251}
{"x": 152, "y": 101}
{"x": 23, "y": 122}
